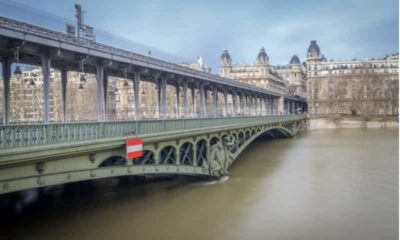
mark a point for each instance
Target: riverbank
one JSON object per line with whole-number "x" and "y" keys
{"x": 351, "y": 122}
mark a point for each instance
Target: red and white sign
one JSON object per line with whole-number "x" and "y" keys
{"x": 134, "y": 148}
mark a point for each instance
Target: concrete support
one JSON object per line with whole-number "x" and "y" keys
{"x": 6, "y": 72}
{"x": 101, "y": 107}
{"x": 225, "y": 112}
{"x": 215, "y": 102}
{"x": 64, "y": 82}
{"x": 184, "y": 94}
{"x": 203, "y": 108}
{"x": 136, "y": 92}
{"x": 163, "y": 98}
{"x": 46, "y": 64}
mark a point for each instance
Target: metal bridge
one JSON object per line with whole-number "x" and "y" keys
{"x": 49, "y": 153}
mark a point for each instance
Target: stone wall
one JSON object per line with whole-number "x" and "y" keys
{"x": 329, "y": 123}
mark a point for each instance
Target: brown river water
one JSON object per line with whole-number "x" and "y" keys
{"x": 326, "y": 184}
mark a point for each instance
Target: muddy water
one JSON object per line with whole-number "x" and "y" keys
{"x": 331, "y": 184}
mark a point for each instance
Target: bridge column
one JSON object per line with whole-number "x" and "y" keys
{"x": 136, "y": 90}
{"x": 273, "y": 103}
{"x": 177, "y": 103}
{"x": 101, "y": 106}
{"x": 280, "y": 105}
{"x": 252, "y": 106}
{"x": 6, "y": 72}
{"x": 64, "y": 82}
{"x": 215, "y": 102}
{"x": 203, "y": 109}
{"x": 225, "y": 112}
{"x": 245, "y": 105}
{"x": 234, "y": 107}
{"x": 266, "y": 106}
{"x": 193, "y": 102}
{"x": 46, "y": 62}
{"x": 163, "y": 98}
{"x": 184, "y": 94}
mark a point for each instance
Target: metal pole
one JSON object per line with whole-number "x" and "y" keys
{"x": 46, "y": 62}
{"x": 136, "y": 92}
{"x": 184, "y": 89}
{"x": 6, "y": 72}
{"x": 64, "y": 82}
{"x": 225, "y": 112}
{"x": 100, "y": 92}
{"x": 203, "y": 110}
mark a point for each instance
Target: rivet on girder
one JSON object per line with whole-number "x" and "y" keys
{"x": 112, "y": 171}
{"x": 6, "y": 186}
{"x": 92, "y": 174}
{"x": 69, "y": 176}
{"x": 129, "y": 170}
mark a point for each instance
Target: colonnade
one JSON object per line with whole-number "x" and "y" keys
{"x": 244, "y": 103}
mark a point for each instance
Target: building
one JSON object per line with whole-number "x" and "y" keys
{"x": 356, "y": 87}
{"x": 288, "y": 79}
{"x": 198, "y": 65}
{"x": 295, "y": 77}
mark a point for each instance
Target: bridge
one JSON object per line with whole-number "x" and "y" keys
{"x": 49, "y": 153}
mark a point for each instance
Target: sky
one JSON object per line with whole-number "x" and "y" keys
{"x": 344, "y": 29}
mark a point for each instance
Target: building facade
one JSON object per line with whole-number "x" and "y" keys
{"x": 288, "y": 79}
{"x": 356, "y": 87}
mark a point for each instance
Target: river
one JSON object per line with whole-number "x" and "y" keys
{"x": 325, "y": 184}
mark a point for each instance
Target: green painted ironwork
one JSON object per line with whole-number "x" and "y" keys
{"x": 17, "y": 136}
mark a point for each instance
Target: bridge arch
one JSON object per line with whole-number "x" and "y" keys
{"x": 201, "y": 152}
{"x": 147, "y": 158}
{"x": 186, "y": 153}
{"x": 168, "y": 155}
{"x": 113, "y": 161}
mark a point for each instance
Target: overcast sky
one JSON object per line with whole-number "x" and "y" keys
{"x": 343, "y": 29}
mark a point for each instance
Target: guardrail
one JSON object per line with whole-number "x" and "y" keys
{"x": 15, "y": 136}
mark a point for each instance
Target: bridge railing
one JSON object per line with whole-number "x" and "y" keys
{"x": 16, "y": 136}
